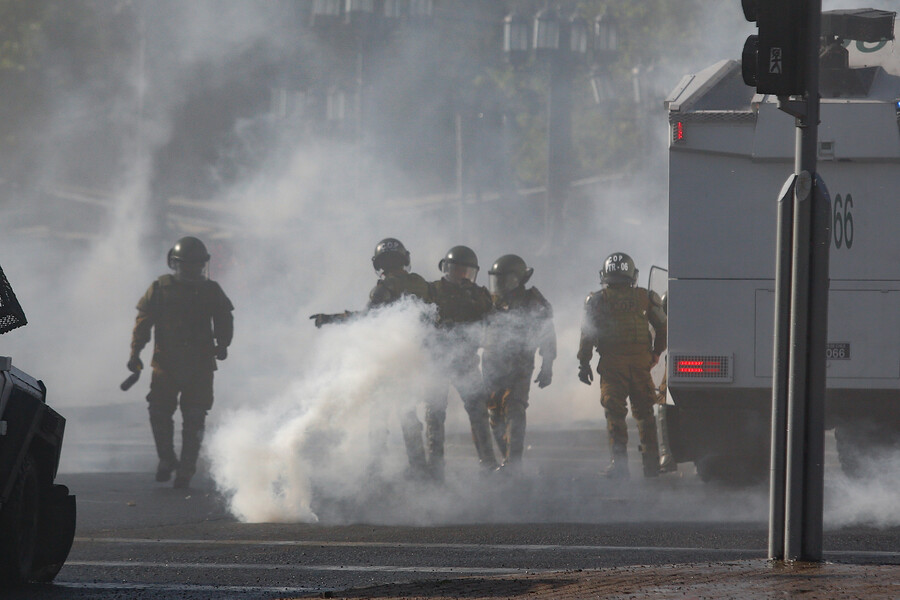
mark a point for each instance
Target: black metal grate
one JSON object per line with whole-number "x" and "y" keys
{"x": 11, "y": 314}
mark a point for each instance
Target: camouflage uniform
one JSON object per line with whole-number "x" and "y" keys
{"x": 617, "y": 322}
{"x": 462, "y": 308}
{"x": 189, "y": 319}
{"x": 522, "y": 322}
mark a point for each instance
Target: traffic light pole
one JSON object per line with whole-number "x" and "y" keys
{"x": 798, "y": 390}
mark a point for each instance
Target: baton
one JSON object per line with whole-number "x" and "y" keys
{"x": 132, "y": 379}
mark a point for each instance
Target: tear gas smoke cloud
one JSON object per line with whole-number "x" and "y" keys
{"x": 292, "y": 403}
{"x": 321, "y": 429}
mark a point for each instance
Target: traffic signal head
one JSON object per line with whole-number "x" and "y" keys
{"x": 774, "y": 60}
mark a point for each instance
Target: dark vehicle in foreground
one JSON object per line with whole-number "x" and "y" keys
{"x": 37, "y": 516}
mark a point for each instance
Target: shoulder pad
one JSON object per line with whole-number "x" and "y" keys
{"x": 655, "y": 299}
{"x": 592, "y": 298}
{"x": 380, "y": 294}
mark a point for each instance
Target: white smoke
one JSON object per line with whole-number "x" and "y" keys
{"x": 322, "y": 428}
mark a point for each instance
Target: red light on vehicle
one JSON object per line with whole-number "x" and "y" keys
{"x": 679, "y": 131}
{"x": 710, "y": 367}
{"x": 701, "y": 367}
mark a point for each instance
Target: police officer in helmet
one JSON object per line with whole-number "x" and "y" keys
{"x": 520, "y": 324}
{"x": 462, "y": 307}
{"x": 391, "y": 261}
{"x": 191, "y": 320}
{"x": 617, "y": 322}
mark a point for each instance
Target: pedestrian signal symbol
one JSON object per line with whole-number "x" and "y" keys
{"x": 775, "y": 61}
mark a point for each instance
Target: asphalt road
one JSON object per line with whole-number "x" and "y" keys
{"x": 140, "y": 539}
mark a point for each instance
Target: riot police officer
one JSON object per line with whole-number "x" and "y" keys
{"x": 520, "y": 324}
{"x": 192, "y": 324}
{"x": 617, "y": 322}
{"x": 391, "y": 262}
{"x": 462, "y": 306}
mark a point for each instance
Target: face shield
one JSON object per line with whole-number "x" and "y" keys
{"x": 455, "y": 272}
{"x": 190, "y": 270}
{"x": 502, "y": 283}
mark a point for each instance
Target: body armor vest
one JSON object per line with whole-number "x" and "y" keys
{"x": 620, "y": 319}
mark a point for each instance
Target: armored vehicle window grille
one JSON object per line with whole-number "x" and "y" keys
{"x": 11, "y": 314}
{"x": 702, "y": 367}
{"x": 712, "y": 116}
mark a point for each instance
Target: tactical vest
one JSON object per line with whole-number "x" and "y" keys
{"x": 460, "y": 303}
{"x": 183, "y": 320}
{"x": 397, "y": 285}
{"x": 515, "y": 329}
{"x": 620, "y": 319}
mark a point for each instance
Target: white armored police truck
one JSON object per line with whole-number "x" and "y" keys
{"x": 730, "y": 152}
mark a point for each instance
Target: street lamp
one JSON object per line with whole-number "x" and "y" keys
{"x": 560, "y": 44}
{"x": 606, "y": 47}
{"x": 516, "y": 30}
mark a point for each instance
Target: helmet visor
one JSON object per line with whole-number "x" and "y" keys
{"x": 455, "y": 272}
{"x": 190, "y": 270}
{"x": 502, "y": 283}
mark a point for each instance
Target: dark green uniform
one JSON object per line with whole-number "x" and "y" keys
{"x": 617, "y": 323}
{"x": 520, "y": 324}
{"x": 462, "y": 308}
{"x": 395, "y": 285}
{"x": 189, "y": 320}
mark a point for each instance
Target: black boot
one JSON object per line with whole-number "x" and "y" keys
{"x": 163, "y": 432}
{"x": 650, "y": 462}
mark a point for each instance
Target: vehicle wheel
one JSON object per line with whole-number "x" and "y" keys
{"x": 732, "y": 470}
{"x": 19, "y": 525}
{"x": 55, "y": 534}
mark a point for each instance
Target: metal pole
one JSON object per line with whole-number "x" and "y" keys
{"x": 809, "y": 306}
{"x": 559, "y": 139}
{"x": 784, "y": 241}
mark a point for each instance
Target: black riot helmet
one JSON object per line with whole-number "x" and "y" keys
{"x": 508, "y": 273}
{"x": 618, "y": 269}
{"x": 188, "y": 258}
{"x": 459, "y": 263}
{"x": 390, "y": 254}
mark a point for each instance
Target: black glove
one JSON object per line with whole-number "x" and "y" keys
{"x": 321, "y": 319}
{"x": 585, "y": 374}
{"x": 134, "y": 364}
{"x": 545, "y": 376}
{"x": 221, "y": 352}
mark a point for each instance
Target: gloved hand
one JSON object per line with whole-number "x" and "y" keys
{"x": 134, "y": 364}
{"x": 545, "y": 376}
{"x": 321, "y": 319}
{"x": 221, "y": 352}
{"x": 585, "y": 374}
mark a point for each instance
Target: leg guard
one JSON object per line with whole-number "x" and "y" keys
{"x": 497, "y": 418}
{"x": 481, "y": 433}
{"x": 649, "y": 446}
{"x": 194, "y": 421}
{"x": 434, "y": 439}
{"x": 667, "y": 462}
{"x": 515, "y": 433}
{"x": 618, "y": 462}
{"x": 412, "y": 439}
{"x": 163, "y": 434}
